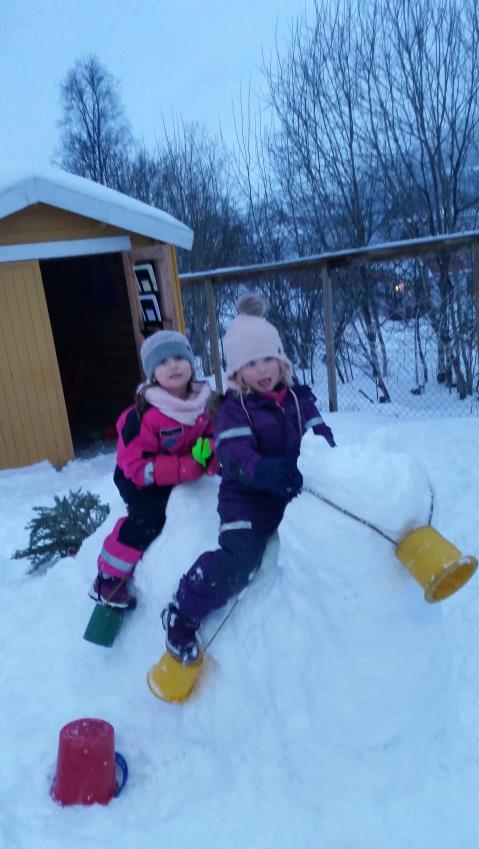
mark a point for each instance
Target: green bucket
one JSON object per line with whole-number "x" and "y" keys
{"x": 104, "y": 624}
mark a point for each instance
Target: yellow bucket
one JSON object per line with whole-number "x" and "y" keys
{"x": 435, "y": 563}
{"x": 170, "y": 681}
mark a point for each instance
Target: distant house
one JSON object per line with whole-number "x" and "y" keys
{"x": 85, "y": 273}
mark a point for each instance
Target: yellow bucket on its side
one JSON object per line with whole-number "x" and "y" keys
{"x": 170, "y": 681}
{"x": 435, "y": 563}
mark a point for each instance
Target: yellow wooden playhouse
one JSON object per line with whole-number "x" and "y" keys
{"x": 85, "y": 273}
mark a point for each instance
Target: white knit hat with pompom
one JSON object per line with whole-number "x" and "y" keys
{"x": 251, "y": 337}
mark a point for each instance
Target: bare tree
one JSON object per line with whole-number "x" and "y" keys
{"x": 95, "y": 139}
{"x": 377, "y": 116}
{"x": 293, "y": 300}
{"x": 188, "y": 177}
{"x": 422, "y": 79}
{"x": 327, "y": 174}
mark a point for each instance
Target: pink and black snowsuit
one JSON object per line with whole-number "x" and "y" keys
{"x": 153, "y": 455}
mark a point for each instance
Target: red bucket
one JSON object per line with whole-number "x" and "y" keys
{"x": 86, "y": 764}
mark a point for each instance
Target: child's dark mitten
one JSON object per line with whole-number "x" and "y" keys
{"x": 295, "y": 484}
{"x": 327, "y": 433}
{"x": 279, "y": 476}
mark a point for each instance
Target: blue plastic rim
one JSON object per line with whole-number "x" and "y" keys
{"x": 122, "y": 769}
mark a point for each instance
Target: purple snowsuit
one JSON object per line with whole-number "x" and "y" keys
{"x": 247, "y": 429}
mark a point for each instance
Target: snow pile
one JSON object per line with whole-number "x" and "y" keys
{"x": 336, "y": 707}
{"x": 379, "y": 649}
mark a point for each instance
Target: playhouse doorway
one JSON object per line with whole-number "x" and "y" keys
{"x": 92, "y": 328}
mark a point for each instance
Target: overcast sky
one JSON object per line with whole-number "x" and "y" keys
{"x": 177, "y": 57}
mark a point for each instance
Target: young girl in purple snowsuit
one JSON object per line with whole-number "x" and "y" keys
{"x": 155, "y": 443}
{"x": 257, "y": 434}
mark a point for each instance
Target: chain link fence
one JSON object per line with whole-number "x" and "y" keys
{"x": 405, "y": 332}
{"x": 407, "y": 338}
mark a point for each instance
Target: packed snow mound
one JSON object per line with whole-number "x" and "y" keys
{"x": 326, "y": 710}
{"x": 390, "y": 489}
{"x": 377, "y": 644}
{"x": 334, "y": 637}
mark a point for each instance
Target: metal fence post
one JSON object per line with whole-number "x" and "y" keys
{"x": 214, "y": 340}
{"x": 329, "y": 338}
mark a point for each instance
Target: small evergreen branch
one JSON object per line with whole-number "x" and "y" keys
{"x": 59, "y": 531}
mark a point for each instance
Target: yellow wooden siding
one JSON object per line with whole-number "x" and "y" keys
{"x": 175, "y": 284}
{"x": 43, "y": 223}
{"x": 33, "y": 420}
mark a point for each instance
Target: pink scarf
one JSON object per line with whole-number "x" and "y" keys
{"x": 183, "y": 411}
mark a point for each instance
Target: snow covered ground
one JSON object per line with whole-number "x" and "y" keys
{"x": 337, "y": 710}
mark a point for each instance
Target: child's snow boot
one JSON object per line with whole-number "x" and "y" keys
{"x": 181, "y": 640}
{"x": 112, "y": 591}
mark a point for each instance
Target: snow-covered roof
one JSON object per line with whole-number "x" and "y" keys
{"x": 20, "y": 188}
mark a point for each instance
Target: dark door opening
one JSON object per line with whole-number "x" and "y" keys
{"x": 92, "y": 328}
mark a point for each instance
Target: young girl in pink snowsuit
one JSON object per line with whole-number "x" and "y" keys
{"x": 155, "y": 441}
